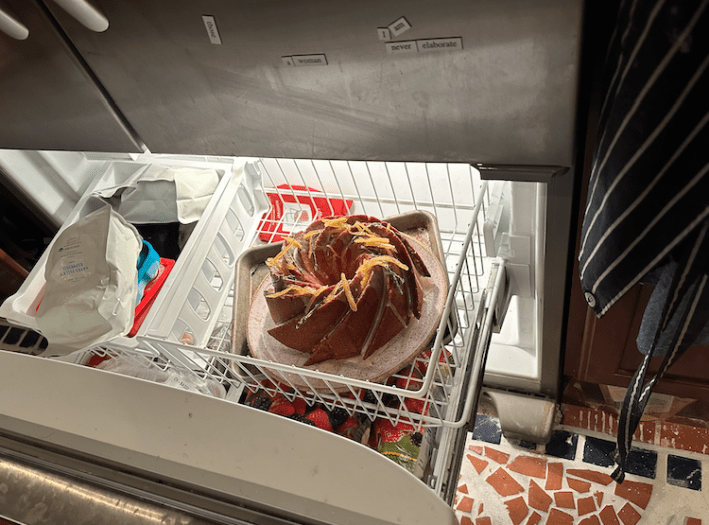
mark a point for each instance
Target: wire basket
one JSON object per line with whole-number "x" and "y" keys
{"x": 430, "y": 391}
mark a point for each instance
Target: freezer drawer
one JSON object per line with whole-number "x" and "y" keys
{"x": 476, "y": 301}
{"x": 48, "y": 98}
{"x": 225, "y": 449}
{"x": 188, "y": 331}
{"x": 167, "y": 452}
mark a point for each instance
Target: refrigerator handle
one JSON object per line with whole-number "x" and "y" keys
{"x": 12, "y": 27}
{"x": 85, "y": 13}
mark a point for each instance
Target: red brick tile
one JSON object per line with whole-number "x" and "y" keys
{"x": 559, "y": 517}
{"x": 534, "y": 519}
{"x": 599, "y": 420}
{"x": 571, "y": 416}
{"x": 529, "y": 466}
{"x": 465, "y": 520}
{"x": 610, "y": 425}
{"x": 608, "y": 516}
{"x": 503, "y": 483}
{"x": 638, "y": 493}
{"x": 599, "y": 497}
{"x": 647, "y": 431}
{"x": 683, "y": 437}
{"x": 590, "y": 475}
{"x": 578, "y": 485}
{"x": 628, "y": 515}
{"x": 463, "y": 488}
{"x": 496, "y": 455}
{"x": 591, "y": 520}
{"x": 565, "y": 500}
{"x": 586, "y": 505}
{"x": 693, "y": 521}
{"x": 477, "y": 449}
{"x": 554, "y": 473}
{"x": 466, "y": 504}
{"x": 483, "y": 521}
{"x": 517, "y": 509}
{"x": 478, "y": 464}
{"x": 538, "y": 499}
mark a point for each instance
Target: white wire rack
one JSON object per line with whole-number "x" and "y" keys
{"x": 432, "y": 391}
{"x": 20, "y": 340}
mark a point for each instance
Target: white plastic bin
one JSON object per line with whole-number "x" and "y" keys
{"x": 193, "y": 294}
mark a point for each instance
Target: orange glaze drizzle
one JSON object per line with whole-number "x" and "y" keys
{"x": 362, "y": 229}
{"x": 366, "y": 237}
{"x": 382, "y": 260}
{"x": 377, "y": 242}
{"x": 288, "y": 243}
{"x": 334, "y": 292}
{"x": 293, "y": 288}
{"x": 313, "y": 233}
{"x": 348, "y": 292}
{"x": 334, "y": 223}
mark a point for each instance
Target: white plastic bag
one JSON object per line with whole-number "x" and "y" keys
{"x": 150, "y": 193}
{"x": 92, "y": 281}
{"x": 142, "y": 368}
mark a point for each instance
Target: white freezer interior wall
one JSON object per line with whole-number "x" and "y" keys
{"x": 54, "y": 180}
{"x": 514, "y": 359}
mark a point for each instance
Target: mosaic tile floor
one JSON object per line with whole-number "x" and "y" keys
{"x": 568, "y": 482}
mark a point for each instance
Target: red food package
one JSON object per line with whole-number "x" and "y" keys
{"x": 150, "y": 294}
{"x": 289, "y": 209}
{"x": 400, "y": 443}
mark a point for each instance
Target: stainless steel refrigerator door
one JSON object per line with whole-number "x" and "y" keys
{"x": 456, "y": 80}
{"x": 48, "y": 99}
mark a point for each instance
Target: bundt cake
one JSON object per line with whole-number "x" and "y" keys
{"x": 344, "y": 287}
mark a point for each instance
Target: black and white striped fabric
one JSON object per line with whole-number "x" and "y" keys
{"x": 648, "y": 195}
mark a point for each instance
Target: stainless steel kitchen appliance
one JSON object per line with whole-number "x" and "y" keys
{"x": 395, "y": 106}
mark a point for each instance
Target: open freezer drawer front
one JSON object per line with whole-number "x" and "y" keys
{"x": 231, "y": 451}
{"x": 178, "y": 453}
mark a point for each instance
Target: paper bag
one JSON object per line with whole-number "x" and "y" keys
{"x": 92, "y": 280}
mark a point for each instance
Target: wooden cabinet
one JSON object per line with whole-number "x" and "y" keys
{"x": 604, "y": 351}
{"x": 24, "y": 235}
{"x": 11, "y": 275}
